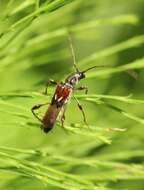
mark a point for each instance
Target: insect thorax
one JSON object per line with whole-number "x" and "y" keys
{"x": 61, "y": 94}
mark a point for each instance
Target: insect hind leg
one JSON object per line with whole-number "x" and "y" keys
{"x": 36, "y": 107}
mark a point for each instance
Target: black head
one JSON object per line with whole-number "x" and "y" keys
{"x": 74, "y": 78}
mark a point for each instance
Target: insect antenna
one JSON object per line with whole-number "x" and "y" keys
{"x": 132, "y": 73}
{"x": 96, "y": 66}
{"x": 73, "y": 53}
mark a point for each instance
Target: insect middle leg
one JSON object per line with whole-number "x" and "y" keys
{"x": 63, "y": 117}
{"x": 36, "y": 107}
{"x": 83, "y": 88}
{"x": 49, "y": 82}
{"x": 81, "y": 109}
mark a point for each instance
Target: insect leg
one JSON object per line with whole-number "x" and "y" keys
{"x": 63, "y": 119}
{"x": 83, "y": 88}
{"x": 49, "y": 82}
{"x": 36, "y": 107}
{"x": 81, "y": 109}
{"x": 63, "y": 116}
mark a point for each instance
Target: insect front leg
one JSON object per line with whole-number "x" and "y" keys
{"x": 83, "y": 88}
{"x": 36, "y": 107}
{"x": 81, "y": 109}
{"x": 49, "y": 82}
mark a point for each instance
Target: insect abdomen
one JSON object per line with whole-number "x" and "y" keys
{"x": 50, "y": 117}
{"x": 60, "y": 98}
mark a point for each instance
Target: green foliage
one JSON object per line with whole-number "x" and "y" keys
{"x": 106, "y": 155}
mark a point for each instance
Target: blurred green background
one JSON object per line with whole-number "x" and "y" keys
{"x": 34, "y": 47}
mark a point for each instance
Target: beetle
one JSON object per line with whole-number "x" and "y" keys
{"x": 62, "y": 96}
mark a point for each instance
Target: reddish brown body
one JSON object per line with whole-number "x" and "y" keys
{"x": 50, "y": 117}
{"x": 60, "y": 97}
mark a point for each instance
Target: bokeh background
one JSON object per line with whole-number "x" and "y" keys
{"x": 34, "y": 47}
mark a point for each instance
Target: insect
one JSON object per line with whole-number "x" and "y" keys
{"x": 62, "y": 95}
